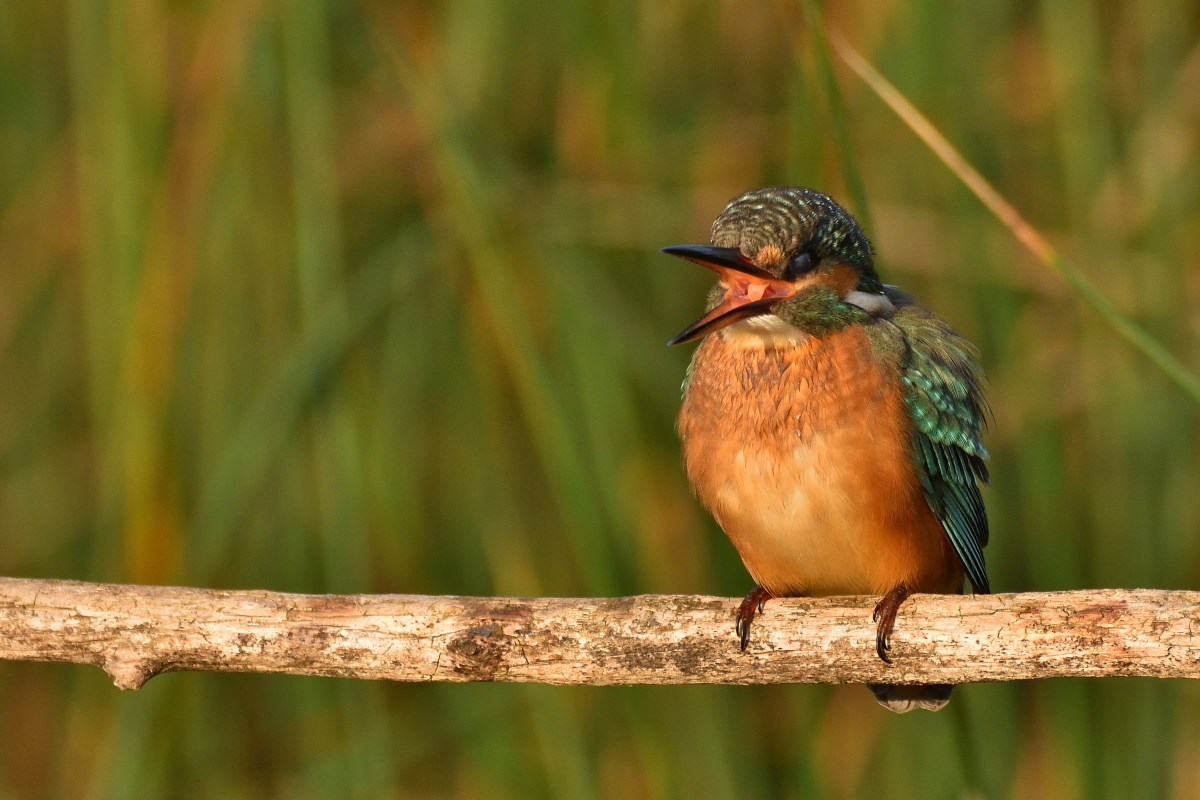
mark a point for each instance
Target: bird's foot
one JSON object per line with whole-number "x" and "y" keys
{"x": 885, "y": 615}
{"x": 751, "y": 605}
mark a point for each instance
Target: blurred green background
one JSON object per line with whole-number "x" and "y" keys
{"x": 366, "y": 297}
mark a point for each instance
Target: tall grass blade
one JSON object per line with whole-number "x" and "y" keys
{"x": 1012, "y": 219}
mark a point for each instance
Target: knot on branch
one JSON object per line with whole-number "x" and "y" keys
{"x": 480, "y": 653}
{"x": 129, "y": 671}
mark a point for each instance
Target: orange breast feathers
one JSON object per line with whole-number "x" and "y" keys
{"x": 801, "y": 450}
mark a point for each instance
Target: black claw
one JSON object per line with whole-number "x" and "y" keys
{"x": 882, "y": 647}
{"x": 752, "y": 604}
{"x": 742, "y": 628}
{"x": 885, "y": 615}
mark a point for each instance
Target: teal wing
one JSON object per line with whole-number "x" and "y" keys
{"x": 942, "y": 384}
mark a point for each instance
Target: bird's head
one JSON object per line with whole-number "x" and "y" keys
{"x": 786, "y": 256}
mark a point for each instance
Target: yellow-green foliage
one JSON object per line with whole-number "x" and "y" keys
{"x": 366, "y": 297}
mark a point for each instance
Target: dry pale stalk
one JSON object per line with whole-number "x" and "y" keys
{"x": 136, "y": 632}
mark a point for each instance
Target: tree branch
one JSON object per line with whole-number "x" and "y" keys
{"x": 136, "y": 632}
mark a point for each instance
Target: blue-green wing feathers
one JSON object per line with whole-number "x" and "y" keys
{"x": 942, "y": 385}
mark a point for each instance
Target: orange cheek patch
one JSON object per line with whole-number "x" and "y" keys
{"x": 844, "y": 279}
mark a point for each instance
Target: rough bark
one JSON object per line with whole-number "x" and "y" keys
{"x": 136, "y": 632}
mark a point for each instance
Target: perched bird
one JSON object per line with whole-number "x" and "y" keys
{"x": 829, "y": 423}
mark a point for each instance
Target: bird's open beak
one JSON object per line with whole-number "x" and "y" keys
{"x": 749, "y": 290}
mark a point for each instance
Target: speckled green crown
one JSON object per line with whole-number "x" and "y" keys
{"x": 795, "y": 220}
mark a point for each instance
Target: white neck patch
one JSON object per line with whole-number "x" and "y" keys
{"x": 877, "y": 305}
{"x": 765, "y": 330}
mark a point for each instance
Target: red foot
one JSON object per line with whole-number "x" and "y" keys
{"x": 751, "y": 605}
{"x": 885, "y": 615}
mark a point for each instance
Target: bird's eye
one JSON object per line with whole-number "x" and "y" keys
{"x": 802, "y": 263}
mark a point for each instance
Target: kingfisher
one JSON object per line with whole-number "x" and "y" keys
{"x": 829, "y": 423}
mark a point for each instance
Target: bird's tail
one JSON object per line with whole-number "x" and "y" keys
{"x": 900, "y": 699}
